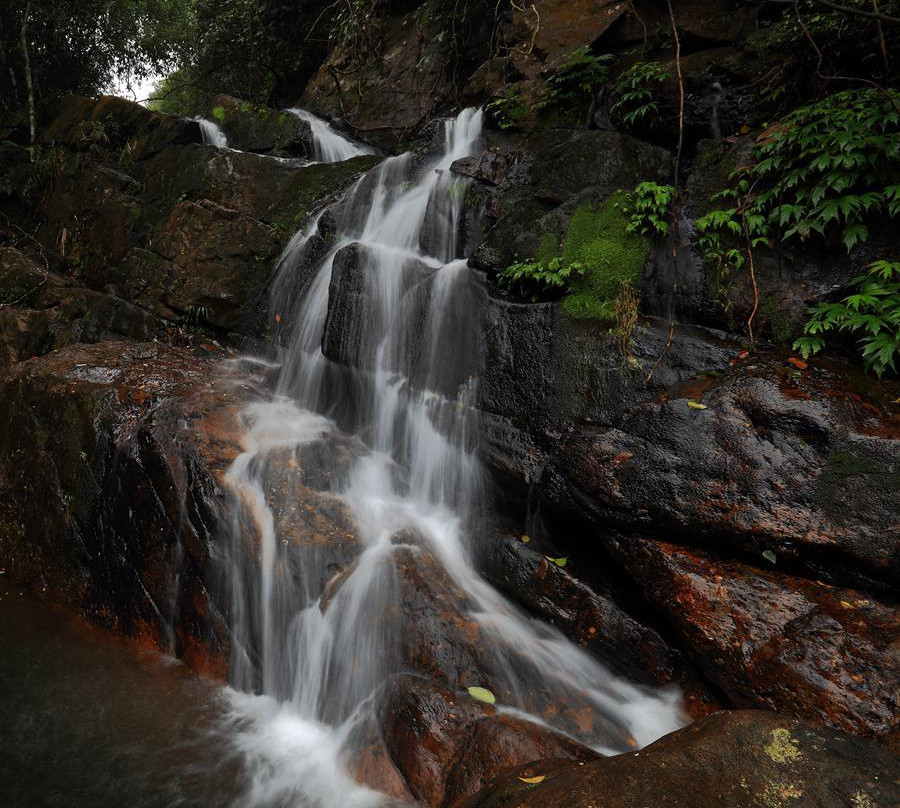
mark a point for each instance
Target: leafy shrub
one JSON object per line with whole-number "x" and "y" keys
{"x": 508, "y": 110}
{"x": 573, "y": 82}
{"x": 832, "y": 164}
{"x": 635, "y": 101}
{"x": 651, "y": 208}
{"x": 552, "y": 274}
{"x": 873, "y": 311}
{"x": 826, "y": 170}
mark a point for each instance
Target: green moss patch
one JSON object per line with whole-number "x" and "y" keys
{"x": 598, "y": 239}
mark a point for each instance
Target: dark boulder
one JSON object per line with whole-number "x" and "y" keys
{"x": 447, "y": 745}
{"x": 126, "y": 446}
{"x": 261, "y": 129}
{"x": 775, "y": 641}
{"x": 764, "y": 458}
{"x": 728, "y": 760}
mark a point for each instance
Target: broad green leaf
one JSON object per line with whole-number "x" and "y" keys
{"x": 482, "y": 694}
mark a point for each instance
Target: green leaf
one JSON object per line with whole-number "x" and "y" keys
{"x": 560, "y": 562}
{"x": 770, "y": 556}
{"x": 696, "y": 405}
{"x": 482, "y": 694}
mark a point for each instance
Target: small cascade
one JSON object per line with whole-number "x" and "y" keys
{"x": 381, "y": 325}
{"x": 329, "y": 146}
{"x": 212, "y": 133}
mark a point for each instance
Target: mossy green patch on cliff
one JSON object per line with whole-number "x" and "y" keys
{"x": 598, "y": 239}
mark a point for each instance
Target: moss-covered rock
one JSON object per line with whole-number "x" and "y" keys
{"x": 264, "y": 130}
{"x": 546, "y": 179}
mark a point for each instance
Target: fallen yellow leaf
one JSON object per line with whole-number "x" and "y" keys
{"x": 534, "y": 780}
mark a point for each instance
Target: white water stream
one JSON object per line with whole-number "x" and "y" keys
{"x": 212, "y": 133}
{"x": 330, "y": 147}
{"x": 380, "y": 321}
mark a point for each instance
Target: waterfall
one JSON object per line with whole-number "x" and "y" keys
{"x": 212, "y": 134}
{"x": 329, "y": 146}
{"x": 380, "y": 320}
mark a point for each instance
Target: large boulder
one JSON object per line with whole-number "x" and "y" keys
{"x": 118, "y": 125}
{"x": 764, "y": 458}
{"x": 260, "y": 129}
{"x": 776, "y": 641}
{"x": 728, "y": 760}
{"x": 125, "y": 445}
{"x": 447, "y": 746}
{"x": 592, "y": 616}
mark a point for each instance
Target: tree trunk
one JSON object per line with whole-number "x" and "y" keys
{"x": 29, "y": 83}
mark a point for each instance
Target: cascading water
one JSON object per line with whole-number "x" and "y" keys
{"x": 212, "y": 134}
{"x": 330, "y": 147}
{"x": 381, "y": 327}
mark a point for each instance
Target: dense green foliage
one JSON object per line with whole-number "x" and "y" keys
{"x": 827, "y": 168}
{"x": 650, "y": 209}
{"x": 872, "y": 311}
{"x": 634, "y": 94}
{"x": 82, "y": 46}
{"x": 830, "y": 166}
{"x": 570, "y": 86}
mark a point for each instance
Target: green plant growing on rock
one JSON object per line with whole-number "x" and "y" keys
{"x": 651, "y": 209}
{"x": 508, "y": 109}
{"x": 831, "y": 165}
{"x": 635, "y": 99}
{"x": 825, "y": 170}
{"x": 539, "y": 276}
{"x": 571, "y": 84}
{"x": 599, "y": 257}
{"x": 872, "y": 311}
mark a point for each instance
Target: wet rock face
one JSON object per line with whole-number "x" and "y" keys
{"x": 591, "y": 617}
{"x": 448, "y": 746}
{"x": 126, "y": 446}
{"x": 776, "y": 641}
{"x": 779, "y": 461}
{"x": 133, "y": 204}
{"x": 728, "y": 760}
{"x": 260, "y": 129}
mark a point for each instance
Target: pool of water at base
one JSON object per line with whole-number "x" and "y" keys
{"x": 91, "y": 721}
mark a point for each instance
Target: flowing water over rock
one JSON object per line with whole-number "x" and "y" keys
{"x": 212, "y": 134}
{"x": 377, "y": 409}
{"x": 330, "y": 147}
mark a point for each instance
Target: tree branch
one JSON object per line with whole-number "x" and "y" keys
{"x": 873, "y": 15}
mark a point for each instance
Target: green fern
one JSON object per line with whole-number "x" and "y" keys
{"x": 635, "y": 99}
{"x": 872, "y": 311}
